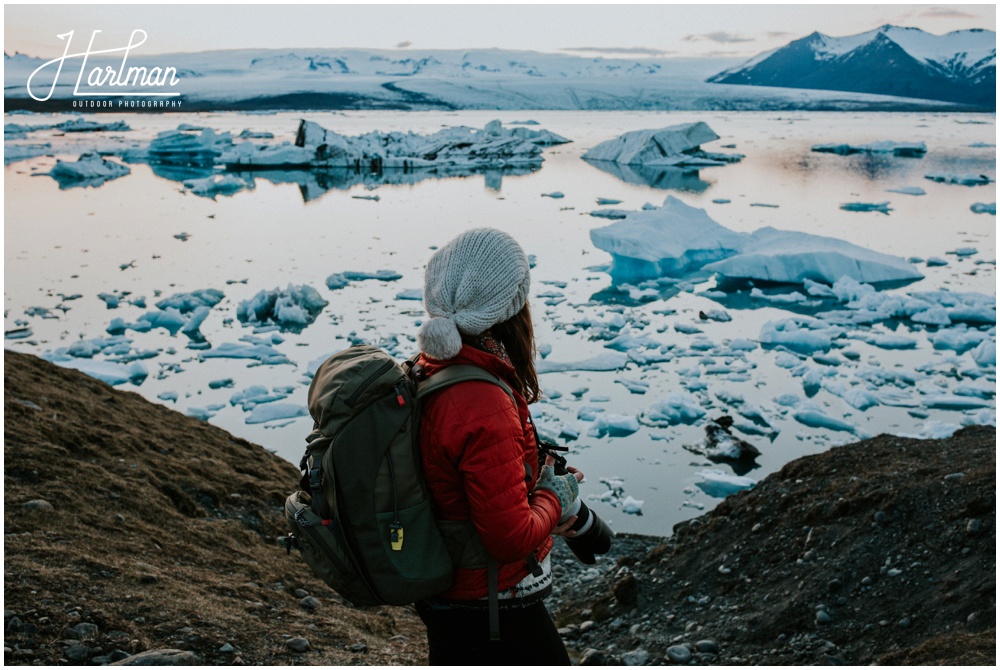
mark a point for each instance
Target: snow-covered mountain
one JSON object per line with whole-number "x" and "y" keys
{"x": 254, "y": 79}
{"x": 958, "y": 67}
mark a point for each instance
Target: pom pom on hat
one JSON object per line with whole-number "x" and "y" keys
{"x": 477, "y": 280}
{"x": 439, "y": 338}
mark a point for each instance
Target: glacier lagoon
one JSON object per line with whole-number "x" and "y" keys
{"x": 636, "y": 427}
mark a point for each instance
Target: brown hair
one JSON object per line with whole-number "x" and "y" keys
{"x": 518, "y": 338}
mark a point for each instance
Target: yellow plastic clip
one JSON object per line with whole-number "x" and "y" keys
{"x": 396, "y": 537}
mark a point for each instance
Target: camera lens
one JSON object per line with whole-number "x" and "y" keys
{"x": 593, "y": 536}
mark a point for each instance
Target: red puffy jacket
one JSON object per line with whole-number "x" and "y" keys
{"x": 475, "y": 445}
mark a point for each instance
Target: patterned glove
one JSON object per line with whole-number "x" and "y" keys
{"x": 564, "y": 486}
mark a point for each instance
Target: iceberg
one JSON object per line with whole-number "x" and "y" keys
{"x": 678, "y": 145}
{"x": 791, "y": 335}
{"x": 292, "y": 309}
{"x": 88, "y": 170}
{"x": 908, "y": 190}
{"x": 985, "y": 354}
{"x": 189, "y": 302}
{"x": 984, "y": 208}
{"x": 263, "y": 353}
{"x": 177, "y": 147}
{"x": 671, "y": 240}
{"x": 316, "y": 146}
{"x": 106, "y": 371}
{"x": 792, "y": 257}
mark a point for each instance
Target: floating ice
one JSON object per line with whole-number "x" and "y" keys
{"x": 411, "y": 294}
{"x": 168, "y": 396}
{"x": 984, "y": 208}
{"x": 106, "y": 371}
{"x": 603, "y": 202}
{"x": 203, "y": 413}
{"x": 381, "y": 275}
{"x": 792, "y": 335}
{"x": 610, "y": 213}
{"x": 634, "y": 386}
{"x": 255, "y": 395}
{"x": 908, "y": 190}
{"x": 209, "y": 187}
{"x": 316, "y": 146}
{"x": 911, "y": 149}
{"x": 673, "y": 146}
{"x": 961, "y": 179}
{"x": 613, "y": 425}
{"x": 888, "y": 341}
{"x": 556, "y": 195}
{"x": 676, "y": 409}
{"x": 882, "y": 207}
{"x": 189, "y": 302}
{"x": 792, "y": 257}
{"x": 632, "y": 506}
{"x": 88, "y": 170}
{"x": 263, "y": 353}
{"x": 611, "y": 360}
{"x": 719, "y": 484}
{"x": 221, "y": 383}
{"x": 985, "y": 354}
{"x": 666, "y": 241}
{"x": 177, "y": 147}
{"x": 293, "y": 308}
{"x": 275, "y": 412}
{"x": 936, "y": 262}
{"x": 954, "y": 402}
{"x": 817, "y": 419}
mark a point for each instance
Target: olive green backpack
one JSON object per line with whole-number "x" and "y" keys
{"x": 363, "y": 519}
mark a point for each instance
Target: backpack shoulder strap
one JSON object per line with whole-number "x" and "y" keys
{"x": 454, "y": 374}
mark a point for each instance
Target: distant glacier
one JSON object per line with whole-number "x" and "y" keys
{"x": 304, "y": 79}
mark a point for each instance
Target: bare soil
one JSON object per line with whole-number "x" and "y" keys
{"x": 162, "y": 535}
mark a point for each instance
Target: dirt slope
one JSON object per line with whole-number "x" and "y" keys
{"x": 158, "y": 531}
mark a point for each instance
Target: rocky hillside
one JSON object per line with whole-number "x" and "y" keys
{"x": 131, "y": 529}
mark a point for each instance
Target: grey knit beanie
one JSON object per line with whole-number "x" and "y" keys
{"x": 474, "y": 282}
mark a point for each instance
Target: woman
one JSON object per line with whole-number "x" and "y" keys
{"x": 480, "y": 457}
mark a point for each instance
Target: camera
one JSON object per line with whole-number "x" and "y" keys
{"x": 593, "y": 536}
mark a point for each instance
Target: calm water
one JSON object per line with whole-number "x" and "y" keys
{"x": 291, "y": 230}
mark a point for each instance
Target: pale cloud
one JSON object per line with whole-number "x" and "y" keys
{"x": 720, "y": 36}
{"x": 947, "y": 13}
{"x": 626, "y": 51}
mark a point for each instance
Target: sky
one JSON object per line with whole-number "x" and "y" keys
{"x": 635, "y": 31}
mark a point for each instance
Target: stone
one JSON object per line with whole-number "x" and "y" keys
{"x": 39, "y": 505}
{"x": 593, "y": 657}
{"x": 626, "y": 590}
{"x": 823, "y": 617}
{"x": 834, "y": 586}
{"x": 76, "y": 652}
{"x": 706, "y": 647}
{"x": 881, "y": 518}
{"x": 904, "y": 622}
{"x": 300, "y": 593}
{"x": 635, "y": 657}
{"x": 679, "y": 654}
{"x": 118, "y": 655}
{"x": 974, "y": 527}
{"x": 359, "y": 648}
{"x": 299, "y": 645}
{"x": 161, "y": 657}
{"x": 587, "y": 625}
{"x": 310, "y": 603}
{"x": 85, "y": 632}
{"x": 100, "y": 660}
{"x": 227, "y": 649}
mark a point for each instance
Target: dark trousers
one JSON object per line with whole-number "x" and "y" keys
{"x": 461, "y": 636}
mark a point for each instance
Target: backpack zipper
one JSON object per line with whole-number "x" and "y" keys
{"x": 382, "y": 369}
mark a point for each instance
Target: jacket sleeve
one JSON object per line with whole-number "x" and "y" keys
{"x": 491, "y": 441}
